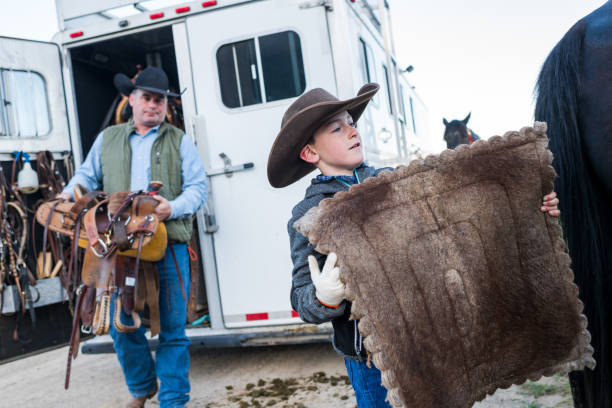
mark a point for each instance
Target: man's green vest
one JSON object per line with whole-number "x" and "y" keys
{"x": 116, "y": 160}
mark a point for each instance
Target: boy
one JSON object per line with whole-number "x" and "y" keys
{"x": 318, "y": 130}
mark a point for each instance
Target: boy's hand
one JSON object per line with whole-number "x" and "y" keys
{"x": 329, "y": 288}
{"x": 549, "y": 204}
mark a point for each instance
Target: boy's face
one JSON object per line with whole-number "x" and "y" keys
{"x": 336, "y": 149}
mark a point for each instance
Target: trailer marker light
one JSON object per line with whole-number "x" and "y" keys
{"x": 76, "y": 34}
{"x": 294, "y": 314}
{"x": 256, "y": 316}
{"x": 156, "y": 16}
{"x": 182, "y": 9}
{"x": 209, "y": 3}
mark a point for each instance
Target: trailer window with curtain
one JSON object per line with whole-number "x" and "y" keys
{"x": 266, "y": 68}
{"x": 24, "y": 111}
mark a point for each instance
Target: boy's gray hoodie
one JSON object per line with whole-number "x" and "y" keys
{"x": 347, "y": 340}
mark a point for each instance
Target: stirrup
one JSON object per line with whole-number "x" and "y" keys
{"x": 101, "y": 320}
{"x": 120, "y": 327}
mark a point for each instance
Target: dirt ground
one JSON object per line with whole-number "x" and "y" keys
{"x": 310, "y": 376}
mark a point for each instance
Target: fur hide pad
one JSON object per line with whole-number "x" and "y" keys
{"x": 461, "y": 284}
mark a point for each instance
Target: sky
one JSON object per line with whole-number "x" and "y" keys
{"x": 479, "y": 56}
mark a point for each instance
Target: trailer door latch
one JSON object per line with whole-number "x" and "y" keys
{"x": 317, "y": 3}
{"x": 228, "y": 169}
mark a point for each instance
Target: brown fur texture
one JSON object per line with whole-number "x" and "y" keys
{"x": 461, "y": 284}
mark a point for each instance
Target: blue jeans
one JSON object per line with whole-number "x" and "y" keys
{"x": 171, "y": 363}
{"x": 366, "y": 382}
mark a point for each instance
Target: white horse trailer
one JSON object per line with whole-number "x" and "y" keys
{"x": 241, "y": 64}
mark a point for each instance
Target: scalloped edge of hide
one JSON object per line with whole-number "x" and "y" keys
{"x": 535, "y": 134}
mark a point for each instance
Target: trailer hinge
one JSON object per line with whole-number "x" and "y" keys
{"x": 317, "y": 3}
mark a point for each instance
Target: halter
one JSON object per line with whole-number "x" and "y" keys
{"x": 470, "y": 137}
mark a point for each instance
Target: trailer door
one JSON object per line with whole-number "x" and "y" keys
{"x": 33, "y": 109}
{"x": 249, "y": 63}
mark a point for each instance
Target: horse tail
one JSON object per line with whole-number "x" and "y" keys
{"x": 558, "y": 90}
{"x": 582, "y": 200}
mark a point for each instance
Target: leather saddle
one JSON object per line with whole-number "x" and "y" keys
{"x": 63, "y": 217}
{"x": 117, "y": 232}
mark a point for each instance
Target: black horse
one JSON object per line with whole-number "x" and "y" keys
{"x": 457, "y": 132}
{"x": 575, "y": 98}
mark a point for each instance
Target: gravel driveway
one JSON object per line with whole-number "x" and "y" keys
{"x": 311, "y": 375}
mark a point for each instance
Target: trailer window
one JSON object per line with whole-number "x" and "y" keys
{"x": 237, "y": 65}
{"x": 282, "y": 69}
{"x": 402, "y": 104}
{"x": 412, "y": 115}
{"x": 368, "y": 65}
{"x": 365, "y": 60}
{"x": 24, "y": 111}
{"x": 388, "y": 89}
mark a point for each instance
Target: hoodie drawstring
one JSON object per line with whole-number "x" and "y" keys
{"x": 357, "y": 181}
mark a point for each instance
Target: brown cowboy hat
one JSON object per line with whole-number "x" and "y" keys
{"x": 299, "y": 123}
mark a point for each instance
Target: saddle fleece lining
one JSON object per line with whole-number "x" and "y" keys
{"x": 461, "y": 284}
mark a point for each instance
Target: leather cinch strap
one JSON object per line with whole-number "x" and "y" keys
{"x": 46, "y": 231}
{"x": 178, "y": 272}
{"x": 75, "y": 335}
{"x": 152, "y": 295}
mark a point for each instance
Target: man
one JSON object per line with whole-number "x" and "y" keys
{"x": 128, "y": 157}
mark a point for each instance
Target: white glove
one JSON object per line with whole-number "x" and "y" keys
{"x": 329, "y": 288}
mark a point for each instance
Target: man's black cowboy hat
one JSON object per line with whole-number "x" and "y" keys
{"x": 151, "y": 79}
{"x": 299, "y": 123}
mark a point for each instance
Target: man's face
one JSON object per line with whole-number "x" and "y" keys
{"x": 149, "y": 108}
{"x": 338, "y": 143}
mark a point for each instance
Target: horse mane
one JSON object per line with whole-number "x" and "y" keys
{"x": 585, "y": 215}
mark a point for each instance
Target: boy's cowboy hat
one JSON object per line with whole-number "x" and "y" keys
{"x": 299, "y": 123}
{"x": 151, "y": 79}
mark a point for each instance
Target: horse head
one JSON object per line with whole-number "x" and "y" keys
{"x": 456, "y": 132}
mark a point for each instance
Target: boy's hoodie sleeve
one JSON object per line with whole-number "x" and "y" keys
{"x": 303, "y": 299}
